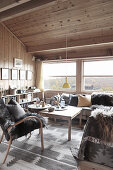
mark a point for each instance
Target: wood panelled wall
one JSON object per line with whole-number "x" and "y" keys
{"x": 11, "y": 48}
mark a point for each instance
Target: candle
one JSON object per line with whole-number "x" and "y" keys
{"x": 43, "y": 95}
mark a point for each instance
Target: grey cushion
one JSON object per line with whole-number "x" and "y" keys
{"x": 1, "y": 101}
{"x": 13, "y": 102}
{"x": 5, "y": 119}
{"x": 73, "y": 100}
{"x": 15, "y": 110}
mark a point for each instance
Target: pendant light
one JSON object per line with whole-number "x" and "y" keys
{"x": 66, "y": 84}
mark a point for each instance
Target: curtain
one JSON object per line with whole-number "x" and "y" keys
{"x": 39, "y": 75}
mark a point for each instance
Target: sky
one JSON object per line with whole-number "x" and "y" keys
{"x": 59, "y": 69}
{"x": 99, "y": 68}
{"x": 90, "y": 68}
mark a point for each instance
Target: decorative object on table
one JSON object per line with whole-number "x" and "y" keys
{"x": 37, "y": 102}
{"x": 60, "y": 108}
{"x": 42, "y": 91}
{"x": 22, "y": 75}
{"x": 62, "y": 103}
{"x": 14, "y": 74}
{"x": 39, "y": 107}
{"x": 43, "y": 104}
{"x": 5, "y": 73}
{"x": 66, "y": 84}
{"x": 43, "y": 98}
{"x": 57, "y": 102}
{"x": 29, "y": 75}
{"x": 51, "y": 109}
{"x": 18, "y": 62}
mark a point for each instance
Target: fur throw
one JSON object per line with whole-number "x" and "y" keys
{"x": 104, "y": 121}
{"x": 104, "y": 112}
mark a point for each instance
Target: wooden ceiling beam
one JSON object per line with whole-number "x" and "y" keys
{"x": 7, "y": 4}
{"x": 105, "y": 41}
{"x": 24, "y": 8}
{"x": 75, "y": 54}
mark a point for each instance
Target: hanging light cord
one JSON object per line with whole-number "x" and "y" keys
{"x": 66, "y": 48}
{"x": 66, "y": 84}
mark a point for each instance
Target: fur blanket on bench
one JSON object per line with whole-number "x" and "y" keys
{"x": 97, "y": 141}
{"x": 104, "y": 122}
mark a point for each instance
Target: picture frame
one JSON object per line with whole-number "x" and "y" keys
{"x": 18, "y": 62}
{"x": 14, "y": 74}
{"x": 29, "y": 75}
{"x": 4, "y": 73}
{"x": 22, "y": 75}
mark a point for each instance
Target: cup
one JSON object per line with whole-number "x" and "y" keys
{"x": 62, "y": 103}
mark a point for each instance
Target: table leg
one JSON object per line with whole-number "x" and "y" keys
{"x": 69, "y": 129}
{"x": 80, "y": 120}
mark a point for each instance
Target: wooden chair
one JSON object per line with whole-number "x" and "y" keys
{"x": 15, "y": 126}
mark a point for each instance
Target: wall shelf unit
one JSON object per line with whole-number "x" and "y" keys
{"x": 23, "y": 99}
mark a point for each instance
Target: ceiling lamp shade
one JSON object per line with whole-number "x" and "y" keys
{"x": 66, "y": 84}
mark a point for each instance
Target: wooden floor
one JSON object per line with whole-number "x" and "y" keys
{"x": 85, "y": 165}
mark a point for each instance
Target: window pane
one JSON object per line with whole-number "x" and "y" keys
{"x": 98, "y": 67}
{"x": 59, "y": 69}
{"x": 98, "y": 83}
{"x": 57, "y": 83}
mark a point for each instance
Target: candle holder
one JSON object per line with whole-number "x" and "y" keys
{"x": 43, "y": 95}
{"x": 43, "y": 104}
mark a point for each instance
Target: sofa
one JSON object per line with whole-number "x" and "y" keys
{"x": 88, "y": 102}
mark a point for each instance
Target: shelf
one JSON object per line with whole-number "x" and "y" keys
{"x": 28, "y": 97}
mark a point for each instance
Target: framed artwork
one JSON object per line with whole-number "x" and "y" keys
{"x": 5, "y": 73}
{"x": 17, "y": 62}
{"x": 22, "y": 75}
{"x": 14, "y": 74}
{"x": 29, "y": 75}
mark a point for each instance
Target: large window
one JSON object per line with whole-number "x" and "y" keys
{"x": 55, "y": 73}
{"x": 98, "y": 75}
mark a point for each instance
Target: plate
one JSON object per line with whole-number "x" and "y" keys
{"x": 60, "y": 108}
{"x": 41, "y": 108}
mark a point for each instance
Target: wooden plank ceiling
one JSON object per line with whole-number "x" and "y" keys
{"x": 42, "y": 27}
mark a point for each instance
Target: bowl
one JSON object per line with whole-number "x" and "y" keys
{"x": 51, "y": 109}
